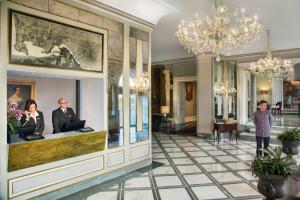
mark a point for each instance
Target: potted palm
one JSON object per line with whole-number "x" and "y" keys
{"x": 272, "y": 171}
{"x": 290, "y": 140}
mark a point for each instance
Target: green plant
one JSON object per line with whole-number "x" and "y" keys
{"x": 272, "y": 164}
{"x": 14, "y": 114}
{"x": 289, "y": 135}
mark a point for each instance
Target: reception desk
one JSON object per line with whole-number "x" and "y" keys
{"x": 55, "y": 147}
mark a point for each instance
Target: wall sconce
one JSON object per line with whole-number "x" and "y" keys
{"x": 141, "y": 86}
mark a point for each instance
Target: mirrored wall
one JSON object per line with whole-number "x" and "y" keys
{"x": 225, "y": 85}
{"x": 139, "y": 85}
{"x": 232, "y": 85}
{"x": 115, "y": 89}
{"x": 218, "y": 83}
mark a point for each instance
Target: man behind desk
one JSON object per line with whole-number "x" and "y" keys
{"x": 62, "y": 115}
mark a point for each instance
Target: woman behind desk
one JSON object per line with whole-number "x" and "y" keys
{"x": 32, "y": 117}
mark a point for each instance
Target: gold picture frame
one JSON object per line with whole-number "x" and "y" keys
{"x": 25, "y": 88}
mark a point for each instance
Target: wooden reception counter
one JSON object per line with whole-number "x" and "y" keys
{"x": 55, "y": 147}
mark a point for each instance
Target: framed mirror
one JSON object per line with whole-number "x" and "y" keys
{"x": 115, "y": 90}
{"x": 139, "y": 82}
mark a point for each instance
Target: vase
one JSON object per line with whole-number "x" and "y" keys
{"x": 8, "y": 137}
{"x": 271, "y": 187}
{"x": 291, "y": 148}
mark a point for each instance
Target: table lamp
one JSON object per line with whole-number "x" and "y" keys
{"x": 165, "y": 110}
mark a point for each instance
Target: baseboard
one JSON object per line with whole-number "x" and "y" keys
{"x": 205, "y": 135}
{"x": 66, "y": 191}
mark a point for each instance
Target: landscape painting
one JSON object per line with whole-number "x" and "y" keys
{"x": 40, "y": 42}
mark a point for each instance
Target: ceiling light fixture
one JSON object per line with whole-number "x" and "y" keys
{"x": 224, "y": 29}
{"x": 222, "y": 90}
{"x": 271, "y": 66}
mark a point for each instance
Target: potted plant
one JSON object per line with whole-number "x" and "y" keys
{"x": 290, "y": 140}
{"x": 14, "y": 114}
{"x": 272, "y": 171}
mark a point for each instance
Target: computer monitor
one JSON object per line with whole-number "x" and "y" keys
{"x": 74, "y": 125}
{"x": 26, "y": 131}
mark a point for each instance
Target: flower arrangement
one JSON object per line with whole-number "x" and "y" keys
{"x": 14, "y": 114}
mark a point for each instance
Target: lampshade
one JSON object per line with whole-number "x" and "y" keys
{"x": 165, "y": 109}
{"x": 264, "y": 92}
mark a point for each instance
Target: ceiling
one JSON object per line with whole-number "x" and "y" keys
{"x": 281, "y": 17}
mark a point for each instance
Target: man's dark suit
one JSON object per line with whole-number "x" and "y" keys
{"x": 59, "y": 119}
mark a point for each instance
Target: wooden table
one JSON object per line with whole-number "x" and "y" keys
{"x": 226, "y": 128}
{"x": 167, "y": 125}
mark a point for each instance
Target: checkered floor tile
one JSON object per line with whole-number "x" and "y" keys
{"x": 185, "y": 168}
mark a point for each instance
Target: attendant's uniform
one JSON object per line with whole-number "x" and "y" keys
{"x": 263, "y": 122}
{"x": 60, "y": 117}
{"x": 36, "y": 121}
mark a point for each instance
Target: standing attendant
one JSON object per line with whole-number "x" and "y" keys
{"x": 262, "y": 120}
{"x": 62, "y": 115}
{"x": 32, "y": 117}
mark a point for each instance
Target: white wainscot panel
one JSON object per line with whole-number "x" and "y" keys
{"x": 138, "y": 152}
{"x": 115, "y": 158}
{"x": 46, "y": 178}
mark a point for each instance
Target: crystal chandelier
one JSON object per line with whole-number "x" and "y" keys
{"x": 271, "y": 66}
{"x": 142, "y": 86}
{"x": 222, "y": 91}
{"x": 224, "y": 29}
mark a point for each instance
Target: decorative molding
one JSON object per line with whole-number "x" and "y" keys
{"x": 115, "y": 158}
{"x": 175, "y": 61}
{"x": 61, "y": 192}
{"x": 12, "y": 182}
{"x": 251, "y": 57}
{"x": 139, "y": 151}
{"x": 241, "y": 58}
{"x": 119, "y": 12}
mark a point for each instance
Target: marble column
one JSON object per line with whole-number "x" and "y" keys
{"x": 205, "y": 103}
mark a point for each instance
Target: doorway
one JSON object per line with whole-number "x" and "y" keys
{"x": 185, "y": 100}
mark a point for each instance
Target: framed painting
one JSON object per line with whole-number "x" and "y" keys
{"x": 20, "y": 92}
{"x": 36, "y": 41}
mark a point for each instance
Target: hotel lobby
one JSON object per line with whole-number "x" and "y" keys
{"x": 149, "y": 99}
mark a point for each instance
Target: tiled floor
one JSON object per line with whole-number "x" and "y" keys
{"x": 286, "y": 120}
{"x": 185, "y": 168}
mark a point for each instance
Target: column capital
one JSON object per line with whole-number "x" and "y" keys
{"x": 204, "y": 57}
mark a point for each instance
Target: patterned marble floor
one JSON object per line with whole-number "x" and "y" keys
{"x": 286, "y": 120}
{"x": 185, "y": 168}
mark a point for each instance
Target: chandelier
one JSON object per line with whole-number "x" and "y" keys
{"x": 224, "y": 29}
{"x": 142, "y": 86}
{"x": 222, "y": 91}
{"x": 271, "y": 66}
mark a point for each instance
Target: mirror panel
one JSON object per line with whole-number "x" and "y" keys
{"x": 232, "y": 83}
{"x": 218, "y": 82}
{"x": 115, "y": 89}
{"x": 139, "y": 98}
